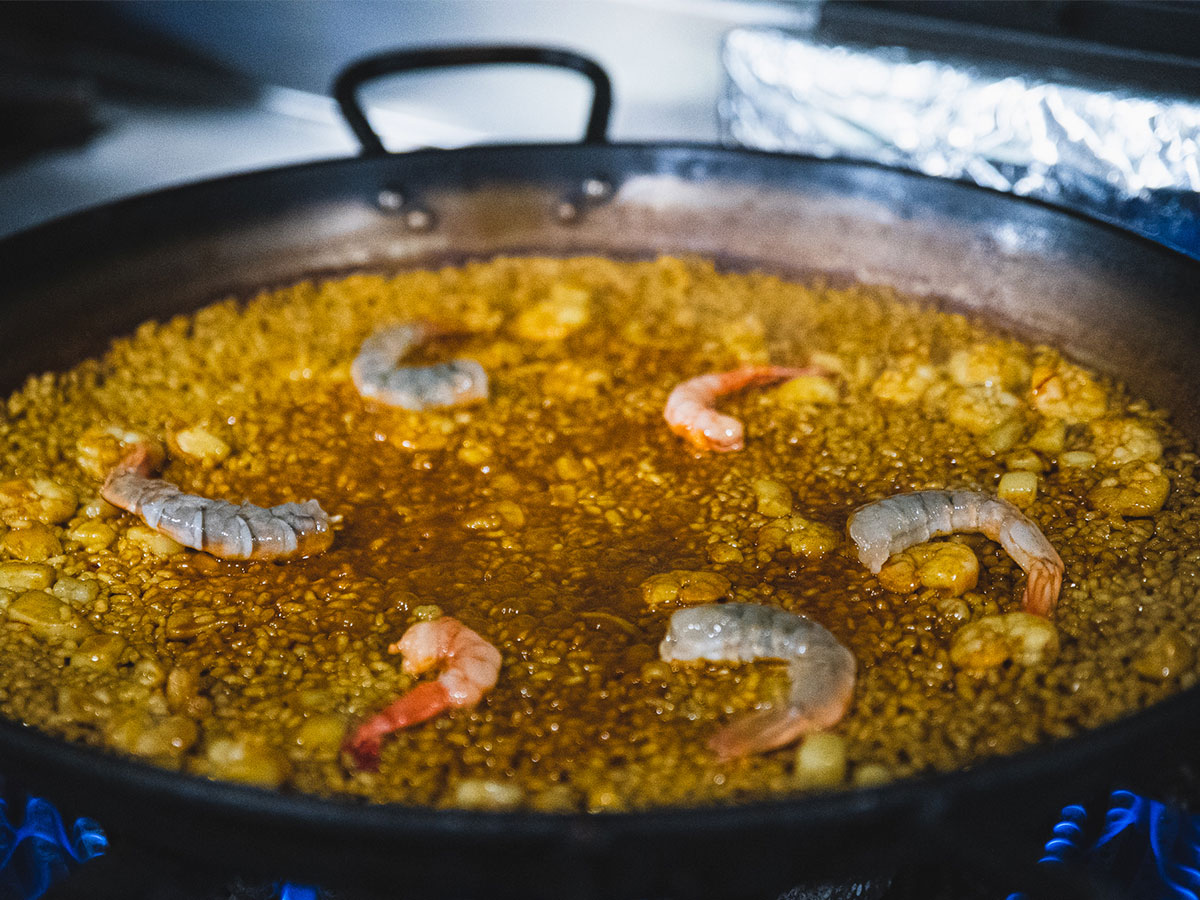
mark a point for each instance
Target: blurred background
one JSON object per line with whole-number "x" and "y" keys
{"x": 100, "y": 100}
{"x": 116, "y": 98}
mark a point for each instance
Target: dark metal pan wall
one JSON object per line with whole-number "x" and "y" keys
{"x": 1109, "y": 298}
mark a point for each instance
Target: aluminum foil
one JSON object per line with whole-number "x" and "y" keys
{"x": 1115, "y": 153}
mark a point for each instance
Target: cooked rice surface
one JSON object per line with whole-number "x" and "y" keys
{"x": 564, "y": 522}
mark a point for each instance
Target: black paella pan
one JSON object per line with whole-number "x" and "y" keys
{"x": 1107, "y": 297}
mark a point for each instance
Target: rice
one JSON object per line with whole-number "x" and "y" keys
{"x": 554, "y": 518}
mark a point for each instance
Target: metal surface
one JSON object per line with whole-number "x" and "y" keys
{"x": 1041, "y": 130}
{"x": 1107, "y": 297}
{"x": 348, "y": 83}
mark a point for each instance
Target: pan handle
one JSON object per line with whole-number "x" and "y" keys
{"x": 347, "y": 83}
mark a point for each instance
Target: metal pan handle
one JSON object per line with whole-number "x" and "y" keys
{"x": 348, "y": 82}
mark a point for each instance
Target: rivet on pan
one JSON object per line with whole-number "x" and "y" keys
{"x": 390, "y": 200}
{"x": 418, "y": 220}
{"x": 596, "y": 189}
{"x": 566, "y": 211}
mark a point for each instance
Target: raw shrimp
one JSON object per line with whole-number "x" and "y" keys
{"x": 690, "y": 414}
{"x": 377, "y": 377}
{"x": 893, "y": 524}
{"x": 470, "y": 668}
{"x": 822, "y": 671}
{"x": 227, "y": 530}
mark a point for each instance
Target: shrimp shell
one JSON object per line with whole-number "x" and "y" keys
{"x": 821, "y": 669}
{"x": 690, "y": 414}
{"x": 470, "y": 668}
{"x": 226, "y": 530}
{"x": 376, "y": 376}
{"x": 896, "y": 523}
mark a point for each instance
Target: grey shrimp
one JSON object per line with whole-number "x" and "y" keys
{"x": 229, "y": 531}
{"x": 377, "y": 377}
{"x": 822, "y": 670}
{"x": 895, "y": 523}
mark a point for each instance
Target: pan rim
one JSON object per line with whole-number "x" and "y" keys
{"x": 911, "y": 796}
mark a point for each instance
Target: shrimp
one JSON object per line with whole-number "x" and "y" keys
{"x": 470, "y": 668}
{"x": 227, "y": 530}
{"x": 690, "y": 414}
{"x": 893, "y": 524}
{"x": 376, "y": 376}
{"x": 822, "y": 671}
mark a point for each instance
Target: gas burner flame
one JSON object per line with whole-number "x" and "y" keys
{"x": 1147, "y": 849}
{"x": 1173, "y": 838}
{"x": 39, "y": 850}
{"x": 290, "y": 891}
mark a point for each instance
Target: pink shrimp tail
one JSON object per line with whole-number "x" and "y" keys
{"x": 752, "y": 376}
{"x": 423, "y": 702}
{"x": 777, "y": 727}
{"x": 1042, "y": 587}
{"x": 689, "y": 414}
{"x": 761, "y": 731}
{"x": 142, "y": 461}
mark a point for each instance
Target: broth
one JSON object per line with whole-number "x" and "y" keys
{"x": 562, "y": 521}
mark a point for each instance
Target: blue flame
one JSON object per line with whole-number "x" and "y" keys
{"x": 1066, "y": 843}
{"x": 39, "y": 850}
{"x": 1173, "y": 838}
{"x": 1068, "y": 837}
{"x": 1124, "y": 811}
{"x": 298, "y": 892}
{"x": 1159, "y": 852}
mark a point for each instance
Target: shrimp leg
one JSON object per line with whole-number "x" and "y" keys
{"x": 895, "y": 523}
{"x": 822, "y": 671}
{"x": 470, "y": 668}
{"x": 226, "y": 530}
{"x": 690, "y": 414}
{"x": 377, "y": 377}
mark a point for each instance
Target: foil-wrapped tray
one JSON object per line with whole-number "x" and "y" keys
{"x": 1116, "y": 152}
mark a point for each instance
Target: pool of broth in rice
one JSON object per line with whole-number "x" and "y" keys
{"x": 538, "y": 517}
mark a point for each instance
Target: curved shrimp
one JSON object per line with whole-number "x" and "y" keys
{"x": 377, "y": 377}
{"x": 470, "y": 668}
{"x": 690, "y": 414}
{"x": 230, "y": 531}
{"x": 895, "y": 523}
{"x": 822, "y": 671}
